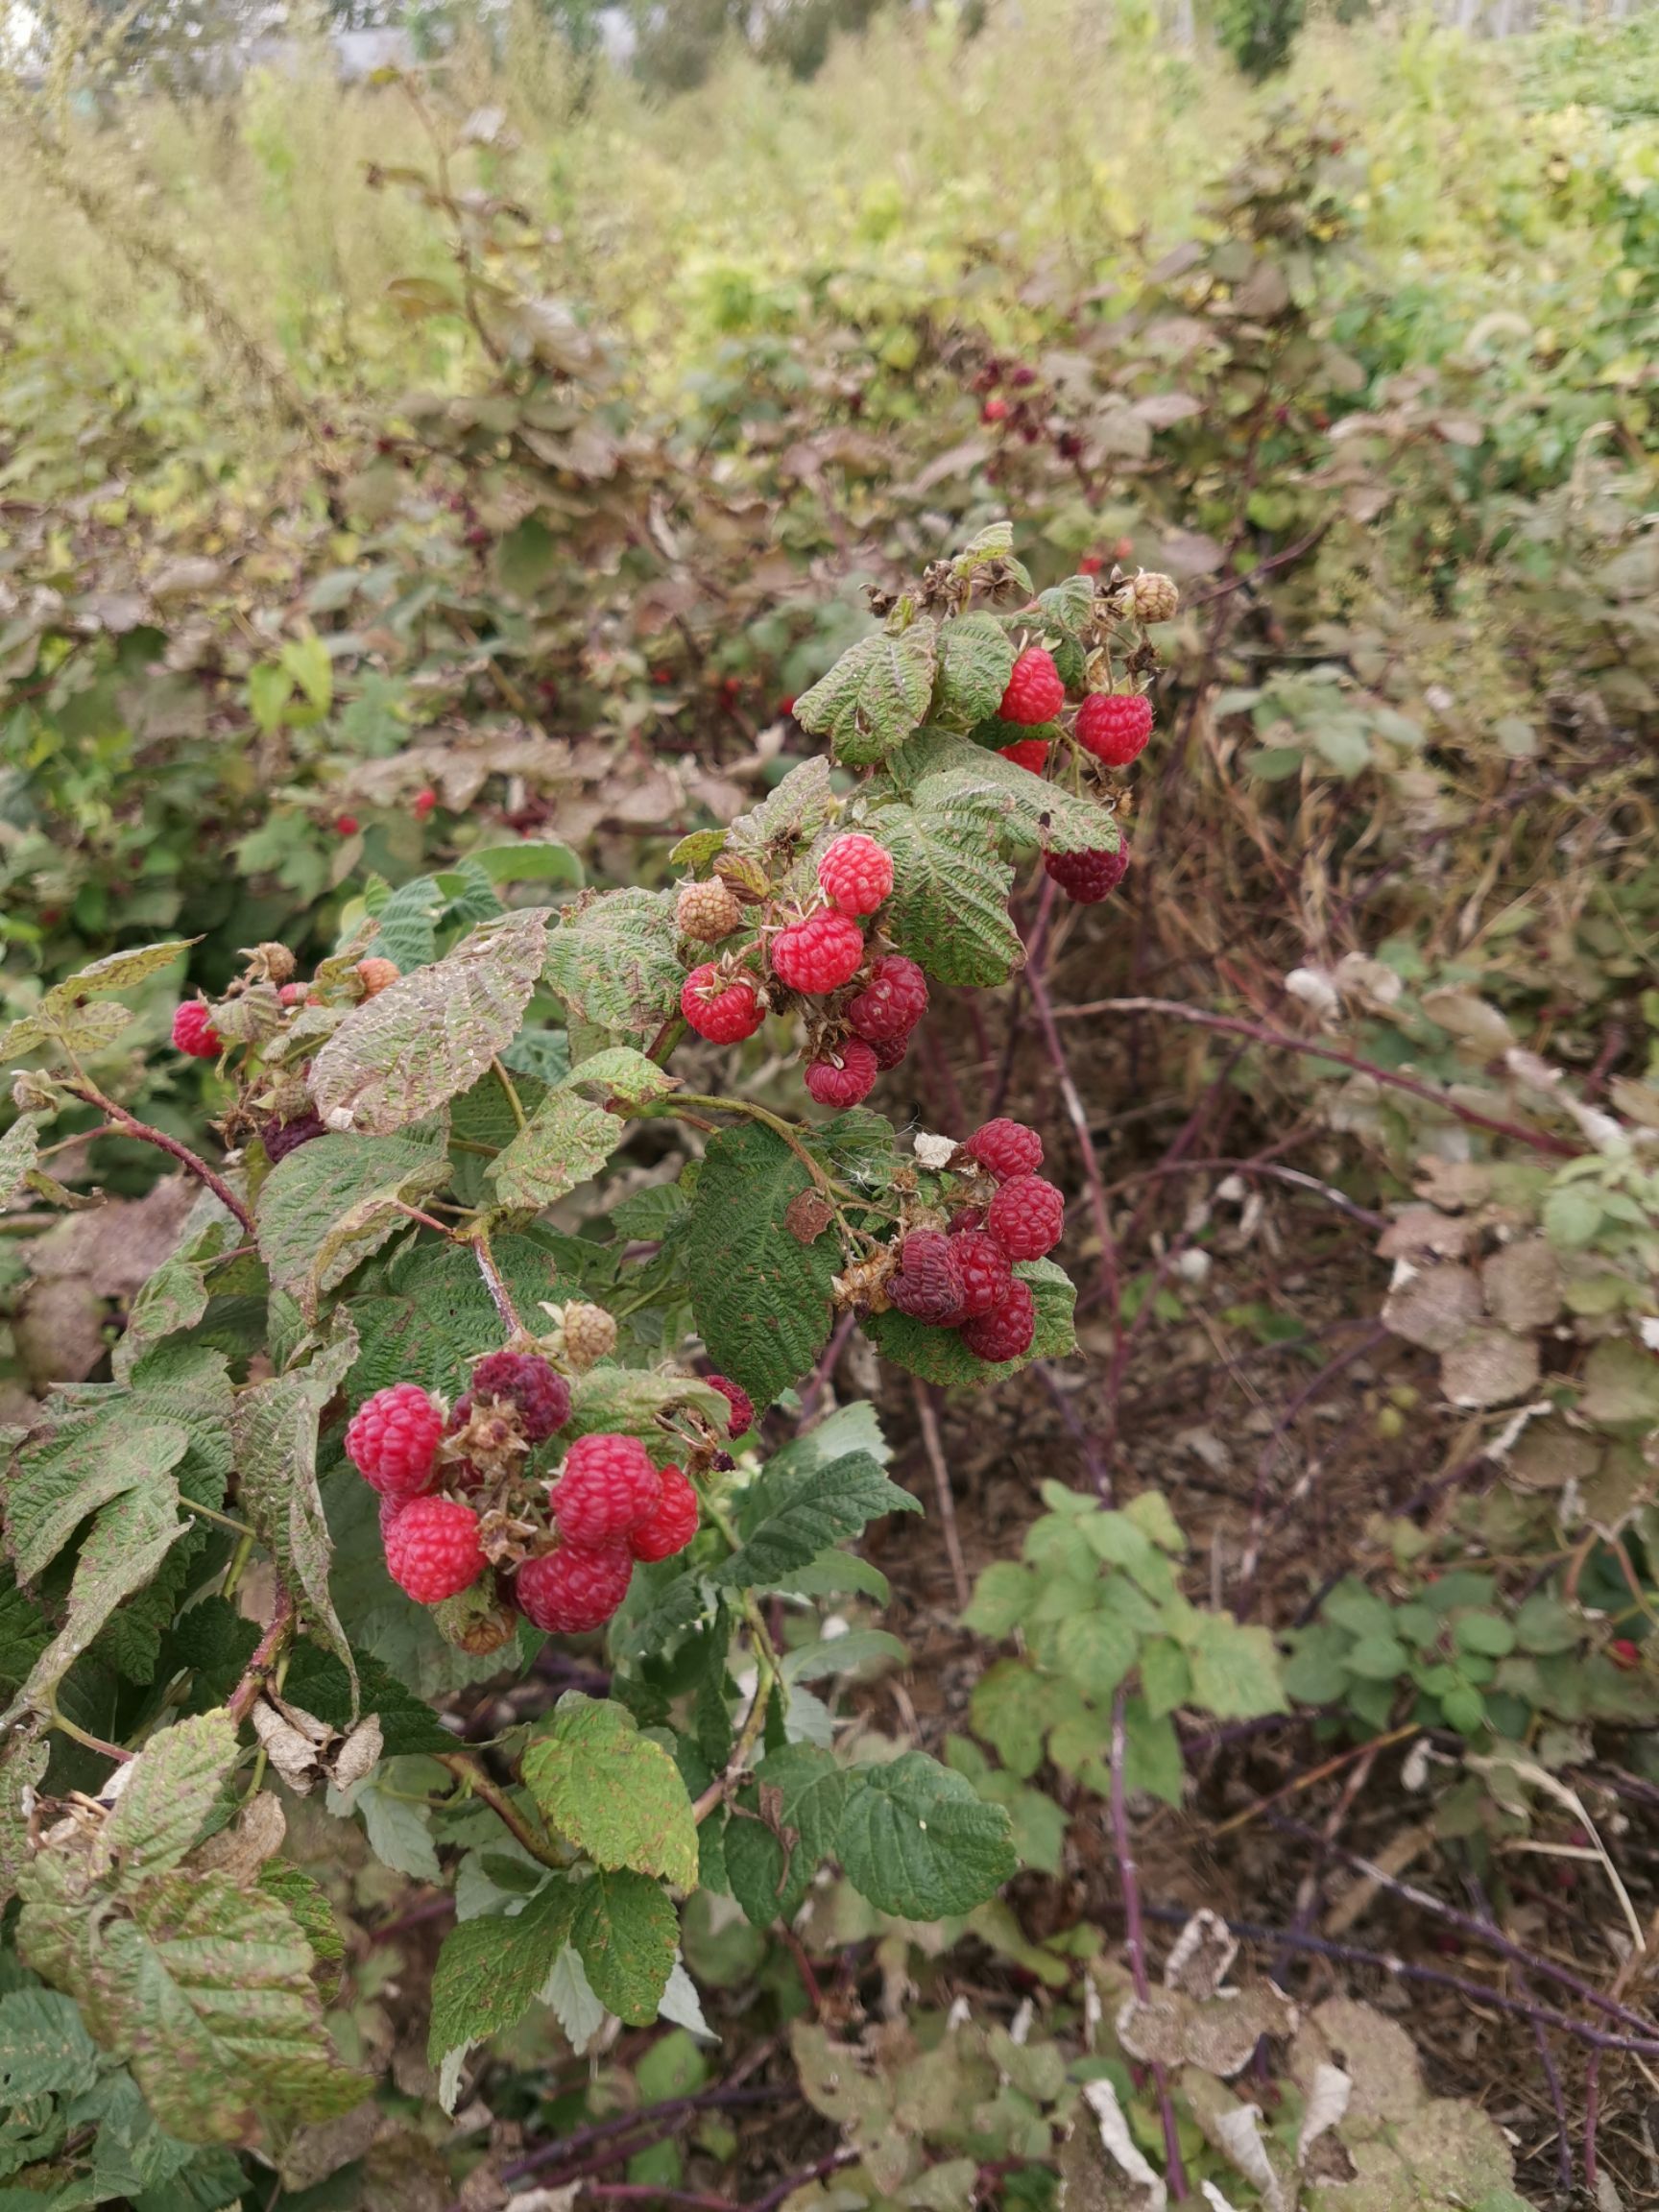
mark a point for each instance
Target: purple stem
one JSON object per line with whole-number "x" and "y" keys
{"x": 1545, "y": 2060}
{"x": 1097, "y": 1468}
{"x": 787, "y": 2187}
{"x": 598, "y": 2131}
{"x": 821, "y": 1374}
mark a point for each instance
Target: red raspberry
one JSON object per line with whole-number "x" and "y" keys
{"x": 281, "y": 1138}
{"x": 741, "y": 1404}
{"x": 347, "y": 825}
{"x": 985, "y": 1269}
{"x": 673, "y": 1524}
{"x": 855, "y": 874}
{"x": 818, "y": 954}
{"x": 193, "y": 1032}
{"x": 1006, "y": 1149}
{"x": 1625, "y": 1653}
{"x": 424, "y": 803}
{"x": 892, "y": 1003}
{"x": 608, "y": 1486}
{"x": 890, "y": 1050}
{"x": 1114, "y": 726}
{"x": 929, "y": 1284}
{"x": 393, "y": 1438}
{"x": 1030, "y": 753}
{"x": 994, "y": 410}
{"x": 846, "y": 1081}
{"x": 1035, "y": 692}
{"x": 541, "y": 1397}
{"x": 721, "y": 1007}
{"x": 576, "y": 1588}
{"x": 1027, "y": 1217}
{"x": 1007, "y": 1332}
{"x": 1087, "y": 878}
{"x": 390, "y": 1508}
{"x": 1090, "y": 565}
{"x": 432, "y": 1550}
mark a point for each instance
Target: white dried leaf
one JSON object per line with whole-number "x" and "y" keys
{"x": 450, "y": 2075}
{"x": 1214, "y": 2198}
{"x": 1326, "y": 2104}
{"x": 933, "y": 1152}
{"x": 359, "y": 1753}
{"x": 1239, "y": 2136}
{"x": 1120, "y": 2145}
{"x": 1315, "y": 989}
{"x": 1202, "y": 1954}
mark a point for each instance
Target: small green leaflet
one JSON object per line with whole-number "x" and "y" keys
{"x": 975, "y": 661}
{"x": 939, "y": 1356}
{"x": 44, "y": 2048}
{"x": 613, "y": 1791}
{"x": 626, "y": 1935}
{"x": 873, "y": 696}
{"x": 762, "y": 1297}
{"x": 570, "y": 1138}
{"x": 115, "y": 972}
{"x": 792, "y": 1513}
{"x": 436, "y": 1315}
{"x": 490, "y": 1970}
{"x": 790, "y": 816}
{"x": 917, "y": 1840}
{"x": 334, "y": 1201}
{"x": 614, "y": 962}
{"x": 172, "y": 1787}
{"x": 949, "y": 905}
{"x": 629, "y": 1399}
{"x": 407, "y": 932}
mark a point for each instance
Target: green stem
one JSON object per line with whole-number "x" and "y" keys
{"x": 754, "y": 1724}
{"x": 513, "y": 1099}
{"x": 219, "y": 1520}
{"x": 91, "y": 1742}
{"x": 473, "y": 1779}
{"x": 238, "y": 1566}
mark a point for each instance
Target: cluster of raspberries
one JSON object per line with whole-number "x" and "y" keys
{"x": 607, "y": 1506}
{"x": 963, "y": 1276}
{"x": 870, "y": 1005}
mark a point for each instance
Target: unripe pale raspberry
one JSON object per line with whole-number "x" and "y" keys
{"x": 847, "y": 1078}
{"x": 1027, "y": 1217}
{"x": 1030, "y": 753}
{"x": 476, "y": 1621}
{"x": 1006, "y": 1332}
{"x": 985, "y": 1270}
{"x": 589, "y": 1336}
{"x": 281, "y": 1138}
{"x": 574, "y": 1589}
{"x": 707, "y": 911}
{"x": 890, "y": 1002}
{"x": 393, "y": 1439}
{"x": 273, "y": 962}
{"x": 673, "y": 1524}
{"x": 193, "y": 1032}
{"x": 432, "y": 1550}
{"x": 609, "y": 1487}
{"x": 1035, "y": 692}
{"x": 1087, "y": 878}
{"x": 819, "y": 954}
{"x": 540, "y": 1394}
{"x": 1114, "y": 725}
{"x": 377, "y": 975}
{"x": 721, "y": 1007}
{"x": 1154, "y": 598}
{"x": 1006, "y": 1149}
{"x": 855, "y": 874}
{"x": 294, "y": 994}
{"x": 741, "y": 1404}
{"x": 929, "y": 1284}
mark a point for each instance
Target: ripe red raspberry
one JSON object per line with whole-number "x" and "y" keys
{"x": 892, "y": 1003}
{"x": 994, "y": 410}
{"x": 347, "y": 825}
{"x": 424, "y": 802}
{"x": 1030, "y": 753}
{"x": 377, "y": 975}
{"x": 1114, "y": 726}
{"x": 1091, "y": 563}
{"x": 707, "y": 911}
{"x": 432, "y": 1550}
{"x": 281, "y": 1138}
{"x": 608, "y": 1486}
{"x": 1087, "y": 878}
{"x": 844, "y": 1080}
{"x": 890, "y": 1050}
{"x": 1027, "y": 1217}
{"x": 673, "y": 1524}
{"x": 721, "y": 1007}
{"x": 1625, "y": 1653}
{"x": 742, "y": 1405}
{"x": 1006, "y": 1149}
{"x": 985, "y": 1269}
{"x": 193, "y": 1032}
{"x": 818, "y": 954}
{"x": 393, "y": 1437}
{"x": 574, "y": 1589}
{"x": 929, "y": 1284}
{"x": 1035, "y": 692}
{"x": 1007, "y": 1332}
{"x": 855, "y": 874}
{"x": 541, "y": 1396}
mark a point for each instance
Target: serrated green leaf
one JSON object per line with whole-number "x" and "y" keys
{"x": 916, "y": 1840}
{"x": 949, "y": 910}
{"x": 490, "y": 1970}
{"x": 45, "y": 2049}
{"x": 529, "y": 860}
{"x": 406, "y": 931}
{"x": 568, "y": 1140}
{"x": 946, "y": 774}
{"x": 1096, "y": 1650}
{"x": 761, "y": 1296}
{"x": 614, "y": 1792}
{"x": 622, "y": 1072}
{"x": 1235, "y": 1667}
{"x": 332, "y": 1202}
{"x": 1166, "y": 1678}
{"x": 631, "y": 1399}
{"x": 1069, "y": 605}
{"x": 626, "y": 1933}
{"x": 115, "y": 972}
{"x": 873, "y": 696}
{"x": 436, "y": 1315}
{"x": 939, "y": 1356}
{"x": 794, "y": 1512}
{"x": 1151, "y": 1514}
{"x": 1002, "y": 1597}
{"x": 1010, "y": 1711}
{"x": 306, "y": 1901}
{"x": 790, "y": 816}
{"x": 975, "y": 661}
{"x": 614, "y": 963}
{"x": 1151, "y": 1753}
{"x": 172, "y": 1787}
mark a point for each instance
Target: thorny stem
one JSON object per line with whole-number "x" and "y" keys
{"x": 220, "y": 1520}
{"x": 513, "y": 1101}
{"x": 500, "y": 1296}
{"x": 472, "y": 1776}
{"x": 67, "y": 1727}
{"x": 130, "y": 1125}
{"x": 266, "y": 1653}
{"x": 1135, "y": 1941}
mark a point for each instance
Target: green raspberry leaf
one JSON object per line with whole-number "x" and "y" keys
{"x": 616, "y": 1794}
{"x": 626, "y": 1933}
{"x": 939, "y": 1356}
{"x": 949, "y": 910}
{"x": 975, "y": 661}
{"x": 614, "y": 962}
{"x": 873, "y": 696}
{"x": 761, "y": 1296}
{"x": 916, "y": 1840}
{"x": 490, "y": 1970}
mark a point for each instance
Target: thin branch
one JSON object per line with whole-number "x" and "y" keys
{"x": 468, "y": 1772}
{"x": 672, "y": 2108}
{"x": 1135, "y": 1942}
{"x": 500, "y": 1296}
{"x": 515, "y": 1104}
{"x": 266, "y": 1653}
{"x": 84, "y": 1088}
{"x": 755, "y": 1723}
{"x": 930, "y": 1425}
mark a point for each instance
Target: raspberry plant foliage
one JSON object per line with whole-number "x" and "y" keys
{"x": 376, "y": 1374}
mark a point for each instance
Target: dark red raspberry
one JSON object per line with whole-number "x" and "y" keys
{"x": 929, "y": 1284}
{"x": 890, "y": 1002}
{"x": 1006, "y": 1149}
{"x": 890, "y": 1050}
{"x": 574, "y": 1589}
{"x": 541, "y": 1396}
{"x": 281, "y": 1138}
{"x": 1030, "y": 753}
{"x": 432, "y": 1550}
{"x": 1087, "y": 878}
{"x": 741, "y": 1404}
{"x": 720, "y": 1006}
{"x": 855, "y": 874}
{"x": 819, "y": 954}
{"x": 1035, "y": 692}
{"x": 1114, "y": 726}
{"x": 1027, "y": 1217}
{"x": 846, "y": 1078}
{"x": 985, "y": 1269}
{"x": 1006, "y": 1332}
{"x": 673, "y": 1524}
{"x": 393, "y": 1439}
{"x": 608, "y": 1486}
{"x": 193, "y": 1032}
